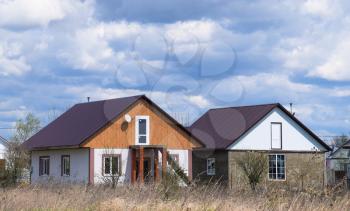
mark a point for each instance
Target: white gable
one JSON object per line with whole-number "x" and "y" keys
{"x": 294, "y": 138}
{"x": 2, "y": 151}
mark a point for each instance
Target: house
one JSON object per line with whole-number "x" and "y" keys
{"x": 338, "y": 164}
{"x": 3, "y": 144}
{"x": 295, "y": 155}
{"x": 130, "y": 137}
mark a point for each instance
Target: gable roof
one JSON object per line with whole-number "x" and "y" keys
{"x": 79, "y": 123}
{"x": 3, "y": 141}
{"x": 221, "y": 127}
{"x": 83, "y": 120}
{"x": 346, "y": 145}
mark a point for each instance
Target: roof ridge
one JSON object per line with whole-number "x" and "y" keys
{"x": 3, "y": 140}
{"x": 267, "y": 104}
{"x": 97, "y": 101}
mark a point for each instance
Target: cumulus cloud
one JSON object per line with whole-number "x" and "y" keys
{"x": 277, "y": 51}
{"x": 22, "y": 13}
{"x": 322, "y": 8}
{"x": 11, "y": 60}
{"x": 337, "y": 66}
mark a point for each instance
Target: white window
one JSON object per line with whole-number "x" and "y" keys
{"x": 211, "y": 166}
{"x": 65, "y": 165}
{"x": 44, "y": 166}
{"x": 111, "y": 165}
{"x": 277, "y": 170}
{"x": 142, "y": 130}
{"x": 276, "y": 135}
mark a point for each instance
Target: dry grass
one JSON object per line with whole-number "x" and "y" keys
{"x": 157, "y": 197}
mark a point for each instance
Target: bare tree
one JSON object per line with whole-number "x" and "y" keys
{"x": 253, "y": 165}
{"x": 16, "y": 156}
{"x": 111, "y": 170}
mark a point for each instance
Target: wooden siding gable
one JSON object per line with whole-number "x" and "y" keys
{"x": 163, "y": 131}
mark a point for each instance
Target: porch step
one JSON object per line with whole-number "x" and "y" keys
{"x": 177, "y": 169}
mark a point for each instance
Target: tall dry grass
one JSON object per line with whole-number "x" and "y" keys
{"x": 160, "y": 197}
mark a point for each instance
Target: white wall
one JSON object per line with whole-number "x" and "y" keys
{"x": 2, "y": 151}
{"x": 294, "y": 138}
{"x": 183, "y": 158}
{"x": 79, "y": 161}
{"x": 126, "y": 162}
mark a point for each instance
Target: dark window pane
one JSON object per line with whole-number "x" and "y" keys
{"x": 66, "y": 165}
{"x": 40, "y": 167}
{"x": 142, "y": 126}
{"x": 107, "y": 166}
{"x": 273, "y": 176}
{"x": 115, "y": 165}
{"x": 142, "y": 139}
{"x": 276, "y": 167}
{"x": 47, "y": 166}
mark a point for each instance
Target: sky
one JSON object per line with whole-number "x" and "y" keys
{"x": 186, "y": 55}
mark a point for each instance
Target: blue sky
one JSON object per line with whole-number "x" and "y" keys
{"x": 187, "y": 56}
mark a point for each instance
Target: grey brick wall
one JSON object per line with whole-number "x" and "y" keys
{"x": 199, "y": 160}
{"x": 303, "y": 170}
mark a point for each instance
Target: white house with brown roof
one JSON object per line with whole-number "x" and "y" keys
{"x": 3, "y": 143}
{"x": 228, "y": 133}
{"x": 129, "y": 139}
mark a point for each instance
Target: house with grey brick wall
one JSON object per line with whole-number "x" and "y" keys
{"x": 290, "y": 147}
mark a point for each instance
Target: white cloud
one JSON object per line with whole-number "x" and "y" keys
{"x": 23, "y": 13}
{"x": 13, "y": 66}
{"x": 322, "y": 8}
{"x": 199, "y": 101}
{"x": 337, "y": 66}
{"x": 11, "y": 60}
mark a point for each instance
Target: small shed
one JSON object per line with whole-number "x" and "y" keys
{"x": 338, "y": 165}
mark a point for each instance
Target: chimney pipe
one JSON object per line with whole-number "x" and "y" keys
{"x": 291, "y": 109}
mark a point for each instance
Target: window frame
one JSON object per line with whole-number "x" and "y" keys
{"x": 276, "y": 167}
{"x": 41, "y": 167}
{"x": 62, "y": 165}
{"x": 276, "y": 123}
{"x": 119, "y": 170}
{"x": 208, "y": 172}
{"x": 137, "y": 135}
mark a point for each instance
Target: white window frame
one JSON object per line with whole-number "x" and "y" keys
{"x": 63, "y": 165}
{"x": 111, "y": 156}
{"x": 268, "y": 172}
{"x": 137, "y": 135}
{"x": 211, "y": 172}
{"x": 280, "y": 138}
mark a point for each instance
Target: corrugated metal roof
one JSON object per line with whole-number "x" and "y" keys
{"x": 219, "y": 128}
{"x": 83, "y": 120}
{"x": 79, "y": 123}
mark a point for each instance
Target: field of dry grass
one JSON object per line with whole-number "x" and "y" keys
{"x": 157, "y": 197}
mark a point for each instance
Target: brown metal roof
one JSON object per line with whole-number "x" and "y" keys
{"x": 79, "y": 123}
{"x": 219, "y": 128}
{"x": 83, "y": 120}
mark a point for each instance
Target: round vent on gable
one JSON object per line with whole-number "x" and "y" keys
{"x": 127, "y": 118}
